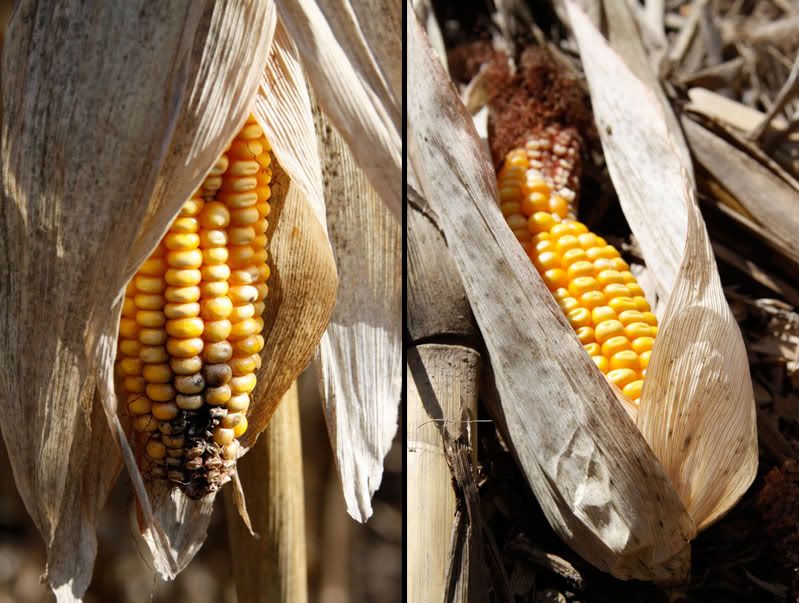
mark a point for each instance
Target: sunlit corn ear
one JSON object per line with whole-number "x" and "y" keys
{"x": 628, "y": 501}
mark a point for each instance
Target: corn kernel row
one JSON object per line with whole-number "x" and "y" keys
{"x": 590, "y": 281}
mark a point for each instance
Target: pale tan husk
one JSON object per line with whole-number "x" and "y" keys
{"x": 628, "y": 501}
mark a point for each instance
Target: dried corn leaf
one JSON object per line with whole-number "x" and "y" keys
{"x": 370, "y": 128}
{"x": 84, "y": 117}
{"x": 596, "y": 478}
{"x": 360, "y": 355}
{"x": 283, "y": 107}
{"x": 697, "y": 409}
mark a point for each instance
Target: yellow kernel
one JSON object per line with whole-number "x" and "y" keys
{"x": 183, "y": 277}
{"x": 633, "y": 389}
{"x": 649, "y": 318}
{"x": 184, "y": 348}
{"x": 145, "y": 423}
{"x": 210, "y": 238}
{"x": 585, "y": 335}
{"x": 150, "y": 284}
{"x": 130, "y": 367}
{"x": 568, "y": 304}
{"x": 217, "y": 330}
{"x": 635, "y": 289}
{"x": 243, "y": 384}
{"x": 643, "y": 344}
{"x": 150, "y": 319}
{"x": 604, "y": 264}
{"x": 522, "y": 234}
{"x": 240, "y": 313}
{"x": 153, "y": 267}
{"x": 621, "y": 377}
{"x": 606, "y": 277}
{"x": 214, "y": 289}
{"x": 643, "y": 358}
{"x": 192, "y": 207}
{"x": 186, "y": 366}
{"x": 182, "y": 295}
{"x": 191, "y": 258}
{"x": 218, "y": 272}
{"x": 243, "y": 294}
{"x": 592, "y": 299}
{"x": 152, "y": 336}
{"x": 157, "y": 373}
{"x": 217, "y": 352}
{"x": 539, "y": 222}
{"x": 129, "y": 347}
{"x": 533, "y": 203}
{"x": 240, "y": 427}
{"x": 621, "y": 304}
{"x": 217, "y": 395}
{"x": 547, "y": 261}
{"x": 185, "y": 327}
{"x": 128, "y": 328}
{"x": 128, "y": 308}
{"x": 630, "y": 316}
{"x": 244, "y": 329}
{"x": 580, "y": 269}
{"x": 182, "y": 310}
{"x": 601, "y": 363}
{"x": 240, "y": 255}
{"x": 582, "y": 285}
{"x": 214, "y": 215}
{"x": 587, "y": 240}
{"x": 189, "y": 401}
{"x": 135, "y": 385}
{"x": 624, "y": 359}
{"x": 616, "y": 290}
{"x": 243, "y": 366}
{"x": 615, "y": 345}
{"x": 214, "y": 256}
{"x": 223, "y": 436}
{"x": 592, "y": 348}
{"x": 573, "y": 256}
{"x": 238, "y": 403}
{"x": 251, "y": 345}
{"x": 153, "y": 354}
{"x": 641, "y": 303}
{"x": 179, "y": 240}
{"x": 567, "y": 242}
{"x": 149, "y": 301}
{"x": 546, "y": 245}
{"x": 594, "y": 253}
{"x": 627, "y": 277}
{"x": 160, "y": 392}
{"x": 166, "y": 411}
{"x": 634, "y": 330}
{"x": 602, "y": 313}
{"x": 536, "y": 185}
{"x": 577, "y": 228}
{"x": 561, "y": 293}
{"x": 244, "y": 216}
{"x": 156, "y": 449}
{"x": 555, "y": 278}
{"x": 608, "y": 328}
{"x": 579, "y": 317}
{"x": 558, "y": 205}
{"x": 138, "y": 404}
{"x": 217, "y": 308}
{"x": 182, "y": 224}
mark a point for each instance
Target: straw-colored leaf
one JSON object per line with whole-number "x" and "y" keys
{"x": 595, "y": 476}
{"x": 697, "y": 409}
{"x": 85, "y": 119}
{"x": 283, "y": 107}
{"x": 360, "y": 356}
{"x": 347, "y": 97}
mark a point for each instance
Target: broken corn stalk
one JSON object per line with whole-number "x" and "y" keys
{"x": 601, "y": 298}
{"x": 190, "y": 332}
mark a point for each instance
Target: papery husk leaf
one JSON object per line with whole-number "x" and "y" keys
{"x": 283, "y": 107}
{"x": 354, "y": 107}
{"x": 85, "y": 120}
{"x": 697, "y": 409}
{"x": 360, "y": 355}
{"x": 302, "y": 294}
{"x": 596, "y": 478}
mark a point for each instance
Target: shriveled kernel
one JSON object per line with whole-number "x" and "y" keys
{"x": 174, "y": 441}
{"x": 223, "y": 436}
{"x": 230, "y": 451}
{"x": 516, "y": 221}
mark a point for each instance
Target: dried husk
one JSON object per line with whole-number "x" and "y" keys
{"x": 697, "y": 410}
{"x": 598, "y": 481}
{"x": 345, "y": 82}
{"x": 359, "y": 358}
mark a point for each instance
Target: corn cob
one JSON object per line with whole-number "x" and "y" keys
{"x": 590, "y": 281}
{"x": 190, "y": 332}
